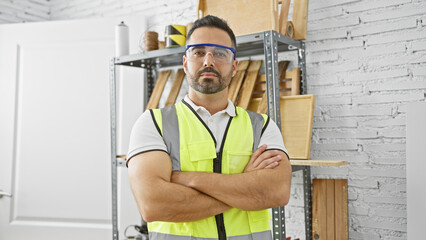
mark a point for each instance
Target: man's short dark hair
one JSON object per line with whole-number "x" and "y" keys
{"x": 213, "y": 21}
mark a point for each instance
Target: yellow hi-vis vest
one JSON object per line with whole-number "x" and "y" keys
{"x": 192, "y": 148}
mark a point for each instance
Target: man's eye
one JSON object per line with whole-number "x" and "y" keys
{"x": 199, "y": 53}
{"x": 220, "y": 54}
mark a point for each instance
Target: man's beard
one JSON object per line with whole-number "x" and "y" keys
{"x": 208, "y": 85}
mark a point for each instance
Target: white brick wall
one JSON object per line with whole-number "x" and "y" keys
{"x": 13, "y": 11}
{"x": 366, "y": 59}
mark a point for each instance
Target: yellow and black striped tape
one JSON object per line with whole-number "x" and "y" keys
{"x": 175, "y": 36}
{"x": 175, "y": 41}
{"x": 175, "y": 30}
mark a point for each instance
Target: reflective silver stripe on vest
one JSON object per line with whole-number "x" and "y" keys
{"x": 257, "y": 124}
{"x": 171, "y": 135}
{"x": 266, "y": 235}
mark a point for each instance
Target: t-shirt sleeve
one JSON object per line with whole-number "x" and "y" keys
{"x": 272, "y": 138}
{"x": 145, "y": 137}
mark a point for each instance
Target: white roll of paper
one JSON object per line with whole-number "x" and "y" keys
{"x": 121, "y": 40}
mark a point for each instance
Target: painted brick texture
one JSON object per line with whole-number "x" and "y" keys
{"x": 24, "y": 11}
{"x": 366, "y": 59}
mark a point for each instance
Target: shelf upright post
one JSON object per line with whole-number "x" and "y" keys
{"x": 149, "y": 82}
{"x": 308, "y": 201}
{"x": 113, "y": 123}
{"x": 270, "y": 44}
{"x": 307, "y": 185}
{"x": 302, "y": 66}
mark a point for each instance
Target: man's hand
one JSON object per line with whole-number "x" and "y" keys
{"x": 263, "y": 160}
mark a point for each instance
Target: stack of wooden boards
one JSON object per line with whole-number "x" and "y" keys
{"x": 154, "y": 100}
{"x": 246, "y": 17}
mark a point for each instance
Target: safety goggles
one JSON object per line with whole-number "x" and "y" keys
{"x": 220, "y": 54}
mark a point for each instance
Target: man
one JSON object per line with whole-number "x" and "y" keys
{"x": 203, "y": 168}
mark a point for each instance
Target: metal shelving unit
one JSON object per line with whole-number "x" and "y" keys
{"x": 269, "y": 44}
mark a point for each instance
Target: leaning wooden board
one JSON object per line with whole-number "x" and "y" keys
{"x": 237, "y": 81}
{"x": 248, "y": 85}
{"x": 158, "y": 89}
{"x": 243, "y": 16}
{"x": 177, "y": 83}
{"x": 330, "y": 209}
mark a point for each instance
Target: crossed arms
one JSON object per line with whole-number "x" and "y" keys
{"x": 164, "y": 195}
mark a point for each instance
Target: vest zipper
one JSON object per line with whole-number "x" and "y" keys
{"x": 217, "y": 168}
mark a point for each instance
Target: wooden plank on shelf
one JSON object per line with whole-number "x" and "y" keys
{"x": 329, "y": 163}
{"x": 177, "y": 83}
{"x": 319, "y": 209}
{"x": 158, "y": 89}
{"x": 330, "y": 208}
{"x": 237, "y": 81}
{"x": 300, "y": 19}
{"x": 244, "y": 17}
{"x": 341, "y": 209}
{"x": 249, "y": 82}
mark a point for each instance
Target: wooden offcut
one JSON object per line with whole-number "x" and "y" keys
{"x": 158, "y": 89}
{"x": 243, "y": 16}
{"x": 237, "y": 81}
{"x": 300, "y": 18}
{"x": 330, "y": 209}
{"x": 177, "y": 83}
{"x": 248, "y": 85}
{"x": 283, "y": 19}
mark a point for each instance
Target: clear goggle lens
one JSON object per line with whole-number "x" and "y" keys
{"x": 219, "y": 53}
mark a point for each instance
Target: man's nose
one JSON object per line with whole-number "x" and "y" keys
{"x": 208, "y": 60}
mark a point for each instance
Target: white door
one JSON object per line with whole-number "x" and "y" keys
{"x": 55, "y": 130}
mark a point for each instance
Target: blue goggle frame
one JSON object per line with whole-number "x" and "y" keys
{"x": 211, "y": 45}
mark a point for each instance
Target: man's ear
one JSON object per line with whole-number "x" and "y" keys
{"x": 185, "y": 61}
{"x": 234, "y": 67}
